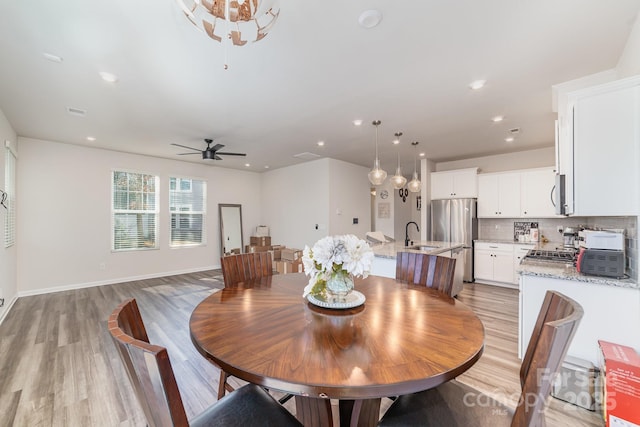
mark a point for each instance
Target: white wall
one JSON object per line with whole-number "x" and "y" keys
{"x": 295, "y": 199}
{"x": 64, "y": 216}
{"x": 385, "y": 225}
{"x": 350, "y": 197}
{"x": 8, "y": 256}
{"x": 629, "y": 62}
{"x": 326, "y": 192}
{"x": 504, "y": 162}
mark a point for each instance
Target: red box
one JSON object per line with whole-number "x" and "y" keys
{"x": 620, "y": 370}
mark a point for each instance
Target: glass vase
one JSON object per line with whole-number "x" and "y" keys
{"x": 339, "y": 285}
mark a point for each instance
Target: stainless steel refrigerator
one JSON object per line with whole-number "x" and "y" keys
{"x": 455, "y": 220}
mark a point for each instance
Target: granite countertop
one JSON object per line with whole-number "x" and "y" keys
{"x": 569, "y": 272}
{"x": 390, "y": 250}
{"x": 551, "y": 246}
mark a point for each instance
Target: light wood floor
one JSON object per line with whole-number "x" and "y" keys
{"x": 58, "y": 366}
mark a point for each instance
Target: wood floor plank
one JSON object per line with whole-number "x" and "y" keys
{"x": 58, "y": 365}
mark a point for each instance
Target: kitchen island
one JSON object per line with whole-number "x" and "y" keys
{"x": 384, "y": 261}
{"x": 611, "y": 306}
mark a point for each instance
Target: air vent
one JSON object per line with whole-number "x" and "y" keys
{"x": 76, "y": 112}
{"x": 306, "y": 156}
{"x": 514, "y": 131}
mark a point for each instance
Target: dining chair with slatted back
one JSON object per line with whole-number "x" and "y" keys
{"x": 433, "y": 271}
{"x": 241, "y": 267}
{"x": 455, "y": 404}
{"x": 155, "y": 387}
{"x": 236, "y": 269}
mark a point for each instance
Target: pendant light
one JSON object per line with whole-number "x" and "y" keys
{"x": 398, "y": 180}
{"x": 377, "y": 175}
{"x": 414, "y": 185}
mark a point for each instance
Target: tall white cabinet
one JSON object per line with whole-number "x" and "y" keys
{"x": 455, "y": 184}
{"x": 598, "y": 149}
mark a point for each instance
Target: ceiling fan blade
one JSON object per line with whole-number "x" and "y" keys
{"x": 184, "y": 146}
{"x": 217, "y": 157}
{"x": 215, "y": 147}
{"x": 231, "y": 154}
{"x": 185, "y": 154}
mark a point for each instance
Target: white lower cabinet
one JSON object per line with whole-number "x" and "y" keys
{"x": 611, "y": 313}
{"x": 497, "y": 263}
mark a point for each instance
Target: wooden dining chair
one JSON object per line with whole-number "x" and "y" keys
{"x": 238, "y": 268}
{"x": 433, "y": 271}
{"x": 155, "y": 387}
{"x": 455, "y": 404}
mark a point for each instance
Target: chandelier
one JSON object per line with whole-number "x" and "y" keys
{"x": 398, "y": 180}
{"x": 377, "y": 175}
{"x": 414, "y": 185}
{"x": 238, "y": 20}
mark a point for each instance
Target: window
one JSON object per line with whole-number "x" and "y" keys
{"x": 10, "y": 197}
{"x": 187, "y": 204}
{"x": 135, "y": 211}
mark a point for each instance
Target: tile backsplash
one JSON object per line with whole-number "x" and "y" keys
{"x": 503, "y": 229}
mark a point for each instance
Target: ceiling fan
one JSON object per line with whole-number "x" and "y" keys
{"x": 210, "y": 153}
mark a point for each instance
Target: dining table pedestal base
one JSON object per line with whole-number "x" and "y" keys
{"x": 316, "y": 412}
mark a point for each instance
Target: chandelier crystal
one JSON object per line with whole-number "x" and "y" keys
{"x": 414, "y": 185}
{"x": 398, "y": 180}
{"x": 377, "y": 175}
{"x": 240, "y": 21}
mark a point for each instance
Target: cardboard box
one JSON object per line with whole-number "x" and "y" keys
{"x": 262, "y": 230}
{"x": 286, "y": 267}
{"x": 277, "y": 252}
{"x": 254, "y": 248}
{"x": 289, "y": 254}
{"x": 260, "y": 240}
{"x": 620, "y": 381}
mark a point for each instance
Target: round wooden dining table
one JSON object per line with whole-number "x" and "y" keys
{"x": 403, "y": 339}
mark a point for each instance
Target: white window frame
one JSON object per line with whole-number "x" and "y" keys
{"x": 155, "y": 212}
{"x": 11, "y": 160}
{"x": 182, "y": 207}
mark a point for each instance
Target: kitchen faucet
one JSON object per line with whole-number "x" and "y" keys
{"x": 406, "y": 232}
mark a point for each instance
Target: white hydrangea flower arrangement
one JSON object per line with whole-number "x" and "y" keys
{"x": 335, "y": 255}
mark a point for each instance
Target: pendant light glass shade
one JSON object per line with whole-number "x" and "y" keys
{"x": 377, "y": 175}
{"x": 398, "y": 180}
{"x": 414, "y": 185}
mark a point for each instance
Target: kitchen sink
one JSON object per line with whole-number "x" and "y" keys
{"x": 423, "y": 248}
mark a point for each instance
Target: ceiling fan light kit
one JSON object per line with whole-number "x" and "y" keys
{"x": 377, "y": 175}
{"x": 209, "y": 153}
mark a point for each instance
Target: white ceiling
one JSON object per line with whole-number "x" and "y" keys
{"x": 314, "y": 73}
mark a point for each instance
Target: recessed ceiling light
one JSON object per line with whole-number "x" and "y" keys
{"x": 320, "y": 143}
{"x": 478, "y": 84}
{"x": 108, "y": 77}
{"x": 396, "y": 141}
{"x": 266, "y": 166}
{"x": 247, "y": 164}
{"x": 370, "y": 18}
{"x": 509, "y": 139}
{"x": 357, "y": 122}
{"x": 51, "y": 57}
{"x": 91, "y": 138}
{"x": 497, "y": 119}
{"x": 76, "y": 111}
{"x": 422, "y": 154}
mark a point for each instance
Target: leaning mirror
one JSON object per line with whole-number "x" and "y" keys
{"x": 230, "y": 229}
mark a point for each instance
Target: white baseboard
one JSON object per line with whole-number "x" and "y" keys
{"x": 111, "y": 281}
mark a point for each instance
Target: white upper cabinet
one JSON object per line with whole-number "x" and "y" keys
{"x": 600, "y": 133}
{"x": 455, "y": 184}
{"x": 499, "y": 195}
{"x": 537, "y": 197}
{"x": 517, "y": 194}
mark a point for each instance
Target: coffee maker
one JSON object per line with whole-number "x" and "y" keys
{"x": 570, "y": 238}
